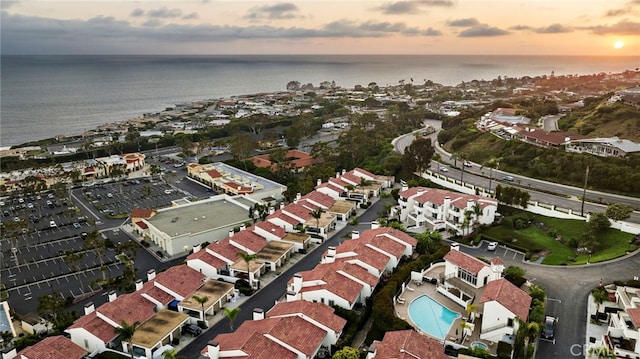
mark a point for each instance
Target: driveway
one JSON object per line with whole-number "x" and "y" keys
{"x": 567, "y": 290}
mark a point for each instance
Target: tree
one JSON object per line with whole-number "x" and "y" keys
{"x": 514, "y": 274}
{"x": 172, "y": 354}
{"x": 241, "y": 146}
{"x": 247, "y": 258}
{"x": 202, "y": 300}
{"x": 317, "y": 214}
{"x": 428, "y": 242}
{"x": 94, "y": 242}
{"x": 346, "y": 353}
{"x": 417, "y": 156}
{"x": 598, "y": 222}
{"x": 126, "y": 332}
{"x": 618, "y": 212}
{"x": 52, "y": 308}
{"x": 231, "y": 314}
{"x": 599, "y": 296}
{"x": 73, "y": 260}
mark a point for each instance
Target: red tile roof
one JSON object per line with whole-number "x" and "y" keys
{"x": 272, "y": 228}
{"x": 465, "y": 261}
{"x": 497, "y": 261}
{"x": 214, "y": 174}
{"x": 408, "y": 344}
{"x": 297, "y": 210}
{"x": 208, "y": 258}
{"x": 181, "y": 279}
{"x": 359, "y": 171}
{"x": 55, "y": 347}
{"x": 295, "y": 331}
{"x": 320, "y": 198}
{"x": 128, "y": 307}
{"x": 247, "y": 238}
{"x": 392, "y": 232}
{"x": 224, "y": 249}
{"x": 96, "y": 326}
{"x": 335, "y": 283}
{"x": 516, "y": 300}
{"x": 284, "y": 217}
{"x": 156, "y": 293}
{"x": 634, "y": 314}
{"x": 142, "y": 225}
{"x": 255, "y": 346}
{"x": 142, "y": 213}
{"x": 319, "y": 312}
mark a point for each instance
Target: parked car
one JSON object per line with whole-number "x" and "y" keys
{"x": 192, "y": 329}
{"x": 76, "y": 225}
{"x": 549, "y": 327}
{"x": 508, "y": 178}
{"x": 52, "y": 224}
{"x": 467, "y": 164}
{"x": 492, "y": 246}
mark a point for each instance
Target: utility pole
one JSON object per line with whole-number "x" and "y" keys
{"x": 584, "y": 191}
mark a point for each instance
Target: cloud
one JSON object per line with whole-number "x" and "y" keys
{"x": 616, "y": 12}
{"x": 164, "y": 13}
{"x": 624, "y": 27}
{"x": 191, "y": 16}
{"x": 5, "y": 4}
{"x": 410, "y": 7}
{"x": 279, "y": 11}
{"x": 137, "y": 13}
{"x": 464, "y": 22}
{"x": 483, "y": 31}
{"x": 106, "y": 35}
{"x": 551, "y": 29}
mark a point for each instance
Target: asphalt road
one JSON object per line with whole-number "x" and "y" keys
{"x": 541, "y": 191}
{"x": 567, "y": 290}
{"x": 266, "y": 297}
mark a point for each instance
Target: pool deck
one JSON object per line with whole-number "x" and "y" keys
{"x": 413, "y": 291}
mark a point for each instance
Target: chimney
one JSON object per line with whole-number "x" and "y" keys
{"x": 404, "y": 186}
{"x": 421, "y": 191}
{"x": 112, "y": 295}
{"x": 231, "y": 233}
{"x": 344, "y": 171}
{"x": 297, "y": 282}
{"x": 337, "y": 174}
{"x": 375, "y": 225}
{"x": 291, "y": 296}
{"x": 281, "y": 205}
{"x": 355, "y": 234}
{"x": 318, "y": 182}
{"x": 331, "y": 251}
{"x": 272, "y": 210}
{"x": 151, "y": 274}
{"x": 455, "y": 246}
{"x": 9, "y": 353}
{"x": 258, "y": 314}
{"x": 470, "y": 204}
{"x": 197, "y": 248}
{"x": 89, "y": 308}
{"x": 243, "y": 227}
{"x": 139, "y": 284}
{"x": 213, "y": 350}
{"x": 298, "y": 196}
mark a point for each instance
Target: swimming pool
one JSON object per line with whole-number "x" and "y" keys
{"x": 432, "y": 317}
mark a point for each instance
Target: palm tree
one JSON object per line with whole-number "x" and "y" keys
{"x": 599, "y": 296}
{"x": 317, "y": 214}
{"x": 247, "y": 258}
{"x": 203, "y": 299}
{"x": 477, "y": 211}
{"x": 73, "y": 259}
{"x": 532, "y": 329}
{"x": 463, "y": 326}
{"x": 172, "y": 354}
{"x": 126, "y": 331}
{"x": 94, "y": 242}
{"x": 231, "y": 314}
{"x": 471, "y": 308}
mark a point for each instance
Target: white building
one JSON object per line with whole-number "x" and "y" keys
{"x": 443, "y": 210}
{"x": 604, "y": 147}
{"x": 623, "y": 333}
{"x": 502, "y": 303}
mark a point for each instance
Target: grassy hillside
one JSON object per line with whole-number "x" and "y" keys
{"x": 599, "y": 119}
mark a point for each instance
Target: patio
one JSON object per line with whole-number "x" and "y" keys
{"x": 415, "y": 289}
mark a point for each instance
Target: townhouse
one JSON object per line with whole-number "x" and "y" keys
{"x": 295, "y": 330}
{"x": 406, "y": 344}
{"x": 623, "y": 331}
{"x": 56, "y": 346}
{"x": 161, "y": 307}
{"x": 442, "y": 210}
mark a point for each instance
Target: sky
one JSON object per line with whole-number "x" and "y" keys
{"x": 215, "y": 27}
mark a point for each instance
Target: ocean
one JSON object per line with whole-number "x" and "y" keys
{"x": 45, "y": 96}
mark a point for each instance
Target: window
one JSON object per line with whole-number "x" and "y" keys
{"x": 332, "y": 303}
{"x": 86, "y": 343}
{"x": 467, "y": 277}
{"x": 510, "y": 322}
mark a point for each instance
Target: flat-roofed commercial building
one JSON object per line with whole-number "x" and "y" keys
{"x": 177, "y": 229}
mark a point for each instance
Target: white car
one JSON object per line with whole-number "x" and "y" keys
{"x": 110, "y": 195}
{"x": 467, "y": 164}
{"x": 444, "y": 169}
{"x": 52, "y": 224}
{"x": 492, "y": 246}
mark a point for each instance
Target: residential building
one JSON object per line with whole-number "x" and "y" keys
{"x": 623, "y": 332}
{"x": 604, "y": 147}
{"x": 161, "y": 306}
{"x": 50, "y": 347}
{"x": 297, "y": 161}
{"x": 502, "y": 303}
{"x": 290, "y": 331}
{"x": 441, "y": 210}
{"x": 406, "y": 344}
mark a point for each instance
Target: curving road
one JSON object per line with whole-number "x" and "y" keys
{"x": 540, "y": 190}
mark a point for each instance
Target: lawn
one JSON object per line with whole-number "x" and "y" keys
{"x": 535, "y": 239}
